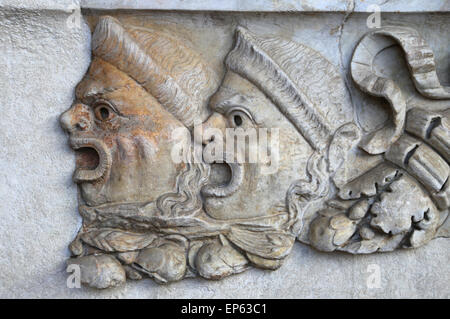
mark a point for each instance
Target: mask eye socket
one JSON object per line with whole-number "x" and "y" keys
{"x": 239, "y": 118}
{"x": 104, "y": 111}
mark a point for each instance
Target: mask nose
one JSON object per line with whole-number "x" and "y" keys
{"x": 78, "y": 117}
{"x": 210, "y": 129}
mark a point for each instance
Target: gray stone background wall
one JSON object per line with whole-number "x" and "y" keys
{"x": 44, "y": 52}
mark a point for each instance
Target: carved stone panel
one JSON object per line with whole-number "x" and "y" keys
{"x": 187, "y": 167}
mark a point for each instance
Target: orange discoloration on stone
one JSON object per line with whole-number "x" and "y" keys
{"x": 137, "y": 136}
{"x": 79, "y": 113}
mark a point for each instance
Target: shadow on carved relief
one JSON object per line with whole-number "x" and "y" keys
{"x": 163, "y": 195}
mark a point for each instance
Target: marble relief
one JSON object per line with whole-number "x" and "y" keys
{"x": 183, "y": 172}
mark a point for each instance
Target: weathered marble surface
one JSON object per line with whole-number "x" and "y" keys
{"x": 51, "y": 218}
{"x": 269, "y": 5}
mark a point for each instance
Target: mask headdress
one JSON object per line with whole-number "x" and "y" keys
{"x": 161, "y": 63}
{"x": 284, "y": 71}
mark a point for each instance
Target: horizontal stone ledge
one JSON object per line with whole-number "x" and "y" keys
{"x": 401, "y": 6}
{"x": 406, "y": 6}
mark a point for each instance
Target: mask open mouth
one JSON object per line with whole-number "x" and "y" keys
{"x": 93, "y": 159}
{"x": 225, "y": 178}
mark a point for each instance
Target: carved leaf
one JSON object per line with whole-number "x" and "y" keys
{"x": 266, "y": 244}
{"x": 112, "y": 240}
